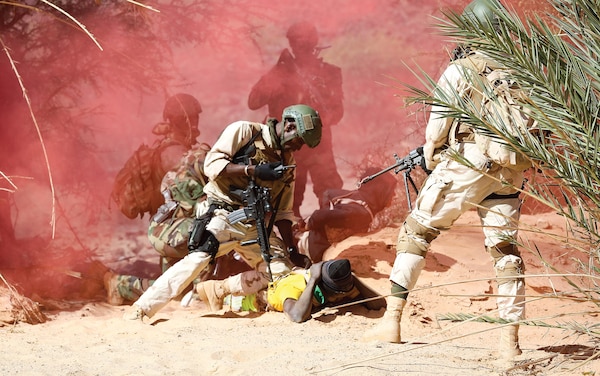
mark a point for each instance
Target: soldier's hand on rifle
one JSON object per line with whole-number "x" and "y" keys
{"x": 268, "y": 171}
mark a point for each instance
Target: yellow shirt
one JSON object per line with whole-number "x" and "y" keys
{"x": 289, "y": 287}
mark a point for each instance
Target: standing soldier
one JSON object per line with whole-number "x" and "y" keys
{"x": 303, "y": 77}
{"x": 454, "y": 187}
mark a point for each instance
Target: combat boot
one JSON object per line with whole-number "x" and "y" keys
{"x": 509, "y": 341}
{"x": 213, "y": 292}
{"x": 388, "y": 328}
{"x": 134, "y": 313}
{"x": 111, "y": 283}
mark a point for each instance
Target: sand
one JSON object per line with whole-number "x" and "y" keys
{"x": 91, "y": 338}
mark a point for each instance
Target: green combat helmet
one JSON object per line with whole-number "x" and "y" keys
{"x": 484, "y": 12}
{"x": 308, "y": 123}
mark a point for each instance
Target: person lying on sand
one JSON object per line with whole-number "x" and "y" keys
{"x": 303, "y": 291}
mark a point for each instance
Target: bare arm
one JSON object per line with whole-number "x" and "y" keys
{"x": 299, "y": 310}
{"x": 233, "y": 169}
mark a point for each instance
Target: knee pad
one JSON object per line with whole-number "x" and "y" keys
{"x": 509, "y": 266}
{"x": 500, "y": 250}
{"x": 415, "y": 238}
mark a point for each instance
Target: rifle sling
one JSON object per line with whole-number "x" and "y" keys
{"x": 274, "y": 213}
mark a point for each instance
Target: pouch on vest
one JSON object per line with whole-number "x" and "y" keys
{"x": 500, "y": 102}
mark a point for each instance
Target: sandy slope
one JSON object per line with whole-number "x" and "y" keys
{"x": 92, "y": 339}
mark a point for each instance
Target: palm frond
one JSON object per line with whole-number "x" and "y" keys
{"x": 554, "y": 58}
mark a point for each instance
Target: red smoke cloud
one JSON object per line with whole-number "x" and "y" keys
{"x": 216, "y": 53}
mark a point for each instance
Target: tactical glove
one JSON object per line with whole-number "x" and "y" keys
{"x": 268, "y": 171}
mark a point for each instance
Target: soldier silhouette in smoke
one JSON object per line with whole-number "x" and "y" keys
{"x": 301, "y": 76}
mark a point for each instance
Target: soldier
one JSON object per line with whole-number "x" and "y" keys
{"x": 452, "y": 188}
{"x": 136, "y": 189}
{"x": 183, "y": 189}
{"x": 181, "y": 115}
{"x": 303, "y": 77}
{"x": 264, "y": 148}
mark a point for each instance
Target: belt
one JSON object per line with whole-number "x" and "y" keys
{"x": 496, "y": 196}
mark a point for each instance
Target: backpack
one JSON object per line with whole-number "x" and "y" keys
{"x": 499, "y": 99}
{"x": 136, "y": 189}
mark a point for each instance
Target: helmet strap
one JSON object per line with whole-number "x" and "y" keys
{"x": 272, "y": 123}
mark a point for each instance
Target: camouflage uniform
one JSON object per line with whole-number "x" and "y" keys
{"x": 452, "y": 188}
{"x": 169, "y": 229}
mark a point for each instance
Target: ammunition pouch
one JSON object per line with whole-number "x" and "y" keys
{"x": 461, "y": 132}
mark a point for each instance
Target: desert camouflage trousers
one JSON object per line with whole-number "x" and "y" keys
{"x": 450, "y": 190}
{"x": 231, "y": 237}
{"x": 130, "y": 287}
{"x": 170, "y": 237}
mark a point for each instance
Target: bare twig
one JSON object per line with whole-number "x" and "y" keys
{"x": 143, "y": 5}
{"x": 82, "y": 26}
{"x": 37, "y": 128}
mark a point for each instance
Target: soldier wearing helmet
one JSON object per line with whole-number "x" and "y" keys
{"x": 180, "y": 128}
{"x": 454, "y": 187}
{"x": 179, "y": 131}
{"x": 244, "y": 152}
{"x": 301, "y": 76}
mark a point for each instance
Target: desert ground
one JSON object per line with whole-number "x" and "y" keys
{"x": 89, "y": 337}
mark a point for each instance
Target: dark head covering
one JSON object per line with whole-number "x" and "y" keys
{"x": 303, "y": 33}
{"x": 337, "y": 275}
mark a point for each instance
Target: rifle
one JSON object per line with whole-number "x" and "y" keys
{"x": 406, "y": 164}
{"x": 257, "y": 201}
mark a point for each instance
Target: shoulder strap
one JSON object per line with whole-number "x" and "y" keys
{"x": 478, "y": 63}
{"x": 248, "y": 149}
